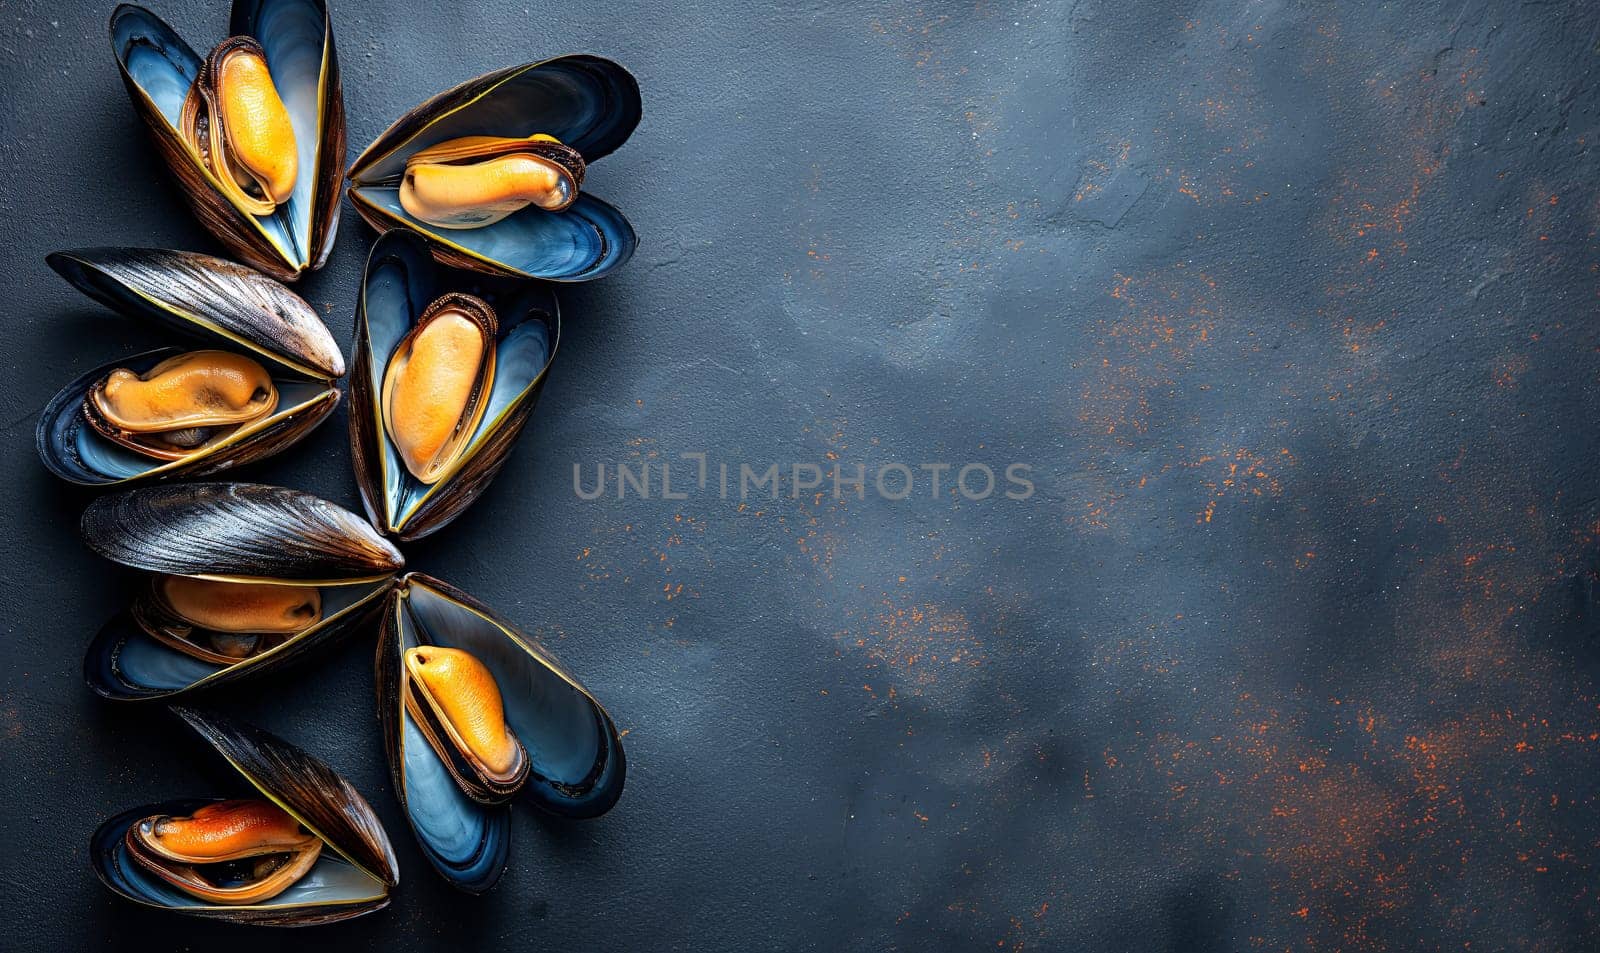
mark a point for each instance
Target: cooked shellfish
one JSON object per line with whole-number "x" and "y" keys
{"x": 223, "y": 622}
{"x": 438, "y": 383}
{"x": 304, "y": 848}
{"x": 243, "y": 579}
{"x": 237, "y": 124}
{"x": 241, "y": 607}
{"x": 478, "y": 180}
{"x": 510, "y": 202}
{"x": 448, "y": 367}
{"x": 227, "y": 852}
{"x": 264, "y": 381}
{"x": 182, "y": 404}
{"x": 254, "y": 133}
{"x": 453, "y": 699}
{"x": 445, "y": 659}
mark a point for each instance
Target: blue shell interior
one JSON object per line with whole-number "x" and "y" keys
{"x": 155, "y": 56}
{"x": 293, "y": 34}
{"x": 333, "y": 880}
{"x": 124, "y": 662}
{"x": 578, "y": 765}
{"x": 577, "y": 100}
{"x": 466, "y": 842}
{"x": 401, "y": 281}
{"x": 589, "y": 240}
{"x": 76, "y": 452}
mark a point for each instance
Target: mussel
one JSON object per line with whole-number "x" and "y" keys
{"x": 226, "y": 852}
{"x": 478, "y": 180}
{"x": 223, "y": 622}
{"x": 242, "y": 579}
{"x": 303, "y": 848}
{"x": 475, "y": 714}
{"x": 182, "y": 404}
{"x": 454, "y": 701}
{"x": 491, "y": 172}
{"x": 254, "y": 132}
{"x": 438, "y": 383}
{"x": 447, "y": 369}
{"x": 266, "y": 379}
{"x": 235, "y": 121}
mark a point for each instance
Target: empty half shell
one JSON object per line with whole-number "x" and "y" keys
{"x": 249, "y": 327}
{"x": 575, "y": 766}
{"x": 243, "y": 580}
{"x": 254, "y": 132}
{"x": 352, "y": 874}
{"x": 491, "y": 172}
{"x": 447, "y": 369}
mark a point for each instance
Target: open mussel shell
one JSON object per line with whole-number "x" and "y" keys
{"x": 296, "y": 36}
{"x": 224, "y": 305}
{"x": 238, "y": 533}
{"x": 75, "y": 451}
{"x": 401, "y": 281}
{"x": 353, "y": 875}
{"x": 587, "y": 102}
{"x": 126, "y": 663}
{"x": 578, "y": 765}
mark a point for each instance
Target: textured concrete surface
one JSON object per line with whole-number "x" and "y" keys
{"x": 1291, "y": 308}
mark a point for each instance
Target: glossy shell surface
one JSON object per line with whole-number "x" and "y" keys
{"x": 587, "y": 102}
{"x": 158, "y": 68}
{"x": 401, "y": 281}
{"x": 236, "y": 530}
{"x": 352, "y": 879}
{"x": 578, "y": 764}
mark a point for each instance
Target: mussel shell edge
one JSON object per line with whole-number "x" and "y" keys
{"x": 401, "y": 274}
{"x": 232, "y": 530}
{"x": 57, "y": 434}
{"x": 108, "y": 673}
{"x": 111, "y": 864}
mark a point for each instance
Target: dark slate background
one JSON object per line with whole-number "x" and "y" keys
{"x": 1292, "y": 309}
